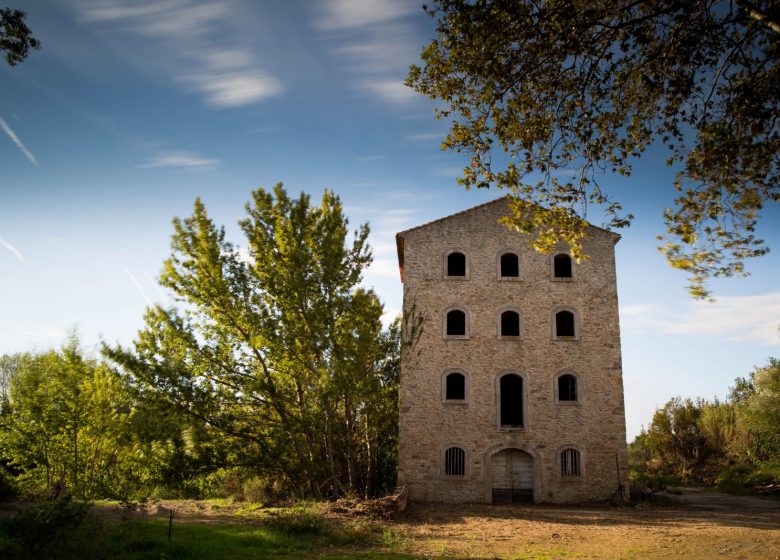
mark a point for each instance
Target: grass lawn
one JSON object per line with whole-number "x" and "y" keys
{"x": 296, "y": 533}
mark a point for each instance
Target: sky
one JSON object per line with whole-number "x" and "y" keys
{"x": 132, "y": 109}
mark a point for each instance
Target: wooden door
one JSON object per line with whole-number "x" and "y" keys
{"x": 512, "y": 477}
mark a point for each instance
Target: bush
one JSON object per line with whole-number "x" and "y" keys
{"x": 256, "y": 490}
{"x": 7, "y": 489}
{"x": 744, "y": 479}
{"x": 46, "y": 530}
{"x": 298, "y": 520}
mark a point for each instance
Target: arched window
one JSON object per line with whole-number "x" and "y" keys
{"x": 570, "y": 462}
{"x": 511, "y": 401}
{"x": 455, "y": 387}
{"x": 564, "y": 324}
{"x": 510, "y": 265}
{"x": 455, "y": 462}
{"x": 456, "y": 264}
{"x": 567, "y": 387}
{"x": 510, "y": 323}
{"x": 562, "y": 266}
{"x": 456, "y": 323}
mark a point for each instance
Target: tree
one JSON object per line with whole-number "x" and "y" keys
{"x": 62, "y": 421}
{"x": 16, "y": 39}
{"x": 546, "y": 96}
{"x": 279, "y": 350}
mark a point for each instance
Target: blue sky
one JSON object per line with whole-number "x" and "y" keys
{"x": 132, "y": 109}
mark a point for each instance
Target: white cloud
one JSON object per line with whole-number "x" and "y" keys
{"x": 193, "y": 36}
{"x": 350, "y": 14}
{"x": 179, "y": 160}
{"x": 389, "y": 89}
{"x": 375, "y": 42}
{"x": 13, "y": 249}
{"x": 738, "y": 318}
{"x": 16, "y": 140}
{"x": 235, "y": 89}
{"x": 427, "y": 136}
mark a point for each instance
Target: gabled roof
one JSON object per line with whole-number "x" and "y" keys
{"x": 506, "y": 198}
{"x": 399, "y": 237}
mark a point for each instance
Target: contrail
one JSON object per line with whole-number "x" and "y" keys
{"x": 13, "y": 249}
{"x": 140, "y": 288}
{"x": 15, "y": 139}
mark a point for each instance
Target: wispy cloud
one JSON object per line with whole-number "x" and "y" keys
{"x": 138, "y": 285}
{"x": 179, "y": 160}
{"x": 391, "y": 90}
{"x": 738, "y": 318}
{"x": 350, "y": 14}
{"x": 194, "y": 35}
{"x": 235, "y": 89}
{"x": 373, "y": 39}
{"x": 13, "y": 250}
{"x": 16, "y": 140}
{"x": 426, "y": 136}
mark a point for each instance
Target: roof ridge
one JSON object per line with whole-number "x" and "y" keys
{"x": 458, "y": 213}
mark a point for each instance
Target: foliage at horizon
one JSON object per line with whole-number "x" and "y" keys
{"x": 548, "y": 97}
{"x": 734, "y": 444}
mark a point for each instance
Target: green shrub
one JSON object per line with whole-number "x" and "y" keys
{"x": 255, "y": 490}
{"x": 7, "y": 489}
{"x": 298, "y": 520}
{"x": 48, "y": 529}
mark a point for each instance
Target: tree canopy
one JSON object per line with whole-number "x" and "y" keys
{"x": 546, "y": 96}
{"x": 278, "y": 349}
{"x": 16, "y": 39}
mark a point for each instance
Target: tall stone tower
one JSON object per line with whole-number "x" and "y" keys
{"x": 511, "y": 379}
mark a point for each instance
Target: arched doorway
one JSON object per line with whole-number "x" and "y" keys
{"x": 512, "y": 476}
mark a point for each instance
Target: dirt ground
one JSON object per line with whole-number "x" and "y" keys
{"x": 687, "y": 523}
{"x": 691, "y": 525}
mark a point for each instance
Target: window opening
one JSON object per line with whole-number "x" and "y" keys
{"x": 567, "y": 388}
{"x": 510, "y": 266}
{"x": 562, "y": 266}
{"x": 455, "y": 462}
{"x": 511, "y": 389}
{"x": 456, "y": 264}
{"x": 456, "y": 387}
{"x": 564, "y": 323}
{"x": 570, "y": 462}
{"x": 510, "y": 323}
{"x": 456, "y": 323}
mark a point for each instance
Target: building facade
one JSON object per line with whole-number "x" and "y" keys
{"x": 511, "y": 381}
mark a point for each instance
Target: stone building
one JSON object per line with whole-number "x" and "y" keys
{"x": 511, "y": 379}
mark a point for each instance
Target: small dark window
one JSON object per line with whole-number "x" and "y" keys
{"x": 455, "y": 462}
{"x": 567, "y": 388}
{"x": 455, "y": 389}
{"x": 511, "y": 389}
{"x": 456, "y": 264}
{"x": 510, "y": 323}
{"x": 570, "y": 462}
{"x": 510, "y": 267}
{"x": 562, "y": 266}
{"x": 456, "y": 323}
{"x": 564, "y": 323}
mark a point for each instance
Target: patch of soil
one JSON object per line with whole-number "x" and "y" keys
{"x": 691, "y": 524}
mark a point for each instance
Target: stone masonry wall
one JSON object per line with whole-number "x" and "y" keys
{"x": 595, "y": 425}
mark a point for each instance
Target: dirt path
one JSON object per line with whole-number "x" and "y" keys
{"x": 693, "y": 525}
